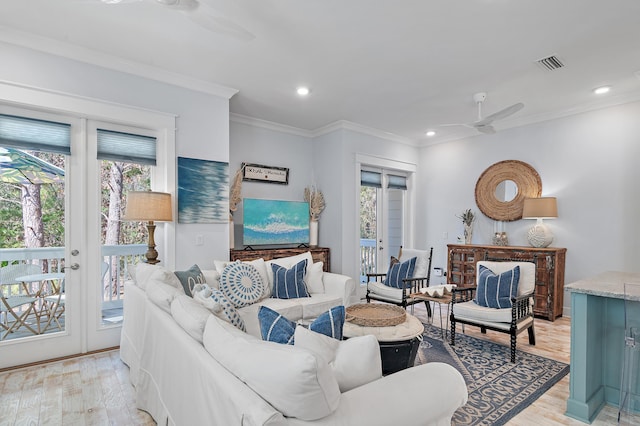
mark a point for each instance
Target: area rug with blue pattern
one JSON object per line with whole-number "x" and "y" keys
{"x": 498, "y": 389}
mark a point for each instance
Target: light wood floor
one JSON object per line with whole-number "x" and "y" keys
{"x": 95, "y": 389}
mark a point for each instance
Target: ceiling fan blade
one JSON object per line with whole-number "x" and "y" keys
{"x": 504, "y": 113}
{"x": 487, "y": 129}
{"x": 209, "y": 19}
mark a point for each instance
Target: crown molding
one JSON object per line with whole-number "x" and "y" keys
{"x": 331, "y": 127}
{"x": 78, "y": 53}
{"x": 348, "y": 125}
{"x": 269, "y": 125}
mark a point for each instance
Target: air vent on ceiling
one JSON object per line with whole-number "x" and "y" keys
{"x": 550, "y": 63}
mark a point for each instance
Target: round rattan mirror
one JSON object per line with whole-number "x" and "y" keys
{"x": 527, "y": 183}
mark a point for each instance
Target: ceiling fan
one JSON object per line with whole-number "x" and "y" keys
{"x": 484, "y": 125}
{"x": 201, "y": 14}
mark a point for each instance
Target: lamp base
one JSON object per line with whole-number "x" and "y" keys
{"x": 540, "y": 235}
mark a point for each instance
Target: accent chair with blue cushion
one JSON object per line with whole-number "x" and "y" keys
{"x": 502, "y": 300}
{"x": 411, "y": 273}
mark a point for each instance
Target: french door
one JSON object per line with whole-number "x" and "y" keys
{"x": 383, "y": 213}
{"x": 89, "y": 308}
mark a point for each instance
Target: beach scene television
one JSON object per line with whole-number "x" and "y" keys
{"x": 268, "y": 222}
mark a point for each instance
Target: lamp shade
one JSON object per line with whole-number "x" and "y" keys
{"x": 148, "y": 206}
{"x": 544, "y": 207}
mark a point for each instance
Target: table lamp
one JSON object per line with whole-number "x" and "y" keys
{"x": 151, "y": 207}
{"x": 540, "y": 235}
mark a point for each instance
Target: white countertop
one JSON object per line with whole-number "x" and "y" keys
{"x": 609, "y": 284}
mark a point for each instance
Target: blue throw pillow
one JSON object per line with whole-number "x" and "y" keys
{"x": 330, "y": 323}
{"x": 289, "y": 283}
{"x": 496, "y": 291}
{"x": 276, "y": 328}
{"x": 399, "y": 271}
{"x": 190, "y": 278}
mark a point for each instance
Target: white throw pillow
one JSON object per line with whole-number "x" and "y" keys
{"x": 241, "y": 284}
{"x": 293, "y": 380}
{"x": 259, "y": 264}
{"x": 144, "y": 272}
{"x": 422, "y": 261}
{"x": 162, "y": 294}
{"x": 314, "y": 278}
{"x": 190, "y": 315}
{"x": 212, "y": 277}
{"x": 355, "y": 361}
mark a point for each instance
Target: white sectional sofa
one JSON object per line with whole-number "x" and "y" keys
{"x": 189, "y": 367}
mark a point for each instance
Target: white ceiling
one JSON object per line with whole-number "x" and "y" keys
{"x": 401, "y": 67}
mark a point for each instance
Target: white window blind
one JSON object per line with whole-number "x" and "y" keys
{"x": 35, "y": 134}
{"x": 397, "y": 182}
{"x": 126, "y": 147}
{"x": 373, "y": 179}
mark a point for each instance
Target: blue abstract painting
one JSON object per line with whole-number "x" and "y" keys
{"x": 275, "y": 222}
{"x": 203, "y": 191}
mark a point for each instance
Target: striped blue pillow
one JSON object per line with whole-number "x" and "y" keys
{"x": 496, "y": 291}
{"x": 276, "y": 328}
{"x": 289, "y": 283}
{"x": 400, "y": 271}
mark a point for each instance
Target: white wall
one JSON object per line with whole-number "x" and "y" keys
{"x": 588, "y": 161}
{"x": 252, "y": 144}
{"x": 202, "y": 124}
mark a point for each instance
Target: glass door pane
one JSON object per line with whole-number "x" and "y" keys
{"x": 368, "y": 231}
{"x": 32, "y": 217}
{"x": 120, "y": 239}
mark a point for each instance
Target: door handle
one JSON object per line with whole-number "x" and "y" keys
{"x": 73, "y": 266}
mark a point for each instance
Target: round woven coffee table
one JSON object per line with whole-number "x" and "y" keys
{"x": 398, "y": 343}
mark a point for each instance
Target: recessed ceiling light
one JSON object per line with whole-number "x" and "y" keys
{"x": 303, "y": 91}
{"x": 430, "y": 133}
{"x": 601, "y": 90}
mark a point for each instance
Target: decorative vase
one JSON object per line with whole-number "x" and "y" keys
{"x": 468, "y": 232}
{"x": 313, "y": 233}
{"x": 232, "y": 242}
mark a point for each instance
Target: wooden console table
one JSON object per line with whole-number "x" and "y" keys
{"x": 319, "y": 254}
{"x": 549, "y": 292}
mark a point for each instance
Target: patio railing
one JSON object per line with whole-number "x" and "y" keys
{"x": 117, "y": 257}
{"x": 367, "y": 258}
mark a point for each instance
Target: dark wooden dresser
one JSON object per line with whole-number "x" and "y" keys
{"x": 549, "y": 293}
{"x": 319, "y": 254}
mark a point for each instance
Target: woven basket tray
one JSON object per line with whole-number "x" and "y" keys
{"x": 375, "y": 315}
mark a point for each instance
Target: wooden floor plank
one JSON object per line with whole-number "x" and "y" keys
{"x": 50, "y": 409}
{"x": 72, "y": 399}
{"x": 30, "y": 398}
{"x": 10, "y": 396}
{"x": 95, "y": 389}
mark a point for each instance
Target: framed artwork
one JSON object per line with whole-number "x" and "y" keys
{"x": 203, "y": 191}
{"x": 261, "y": 173}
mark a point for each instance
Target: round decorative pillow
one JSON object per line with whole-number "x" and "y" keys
{"x": 241, "y": 284}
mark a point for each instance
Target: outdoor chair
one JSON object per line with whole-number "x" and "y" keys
{"x": 381, "y": 289}
{"x": 493, "y": 304}
{"x": 16, "y": 304}
{"x": 56, "y": 301}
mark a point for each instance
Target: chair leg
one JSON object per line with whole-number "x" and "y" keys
{"x": 428, "y": 305}
{"x": 532, "y": 336}
{"x": 513, "y": 347}
{"x": 453, "y": 333}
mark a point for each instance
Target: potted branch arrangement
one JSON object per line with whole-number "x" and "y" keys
{"x": 467, "y": 217}
{"x": 235, "y": 196}
{"x": 316, "y": 205}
